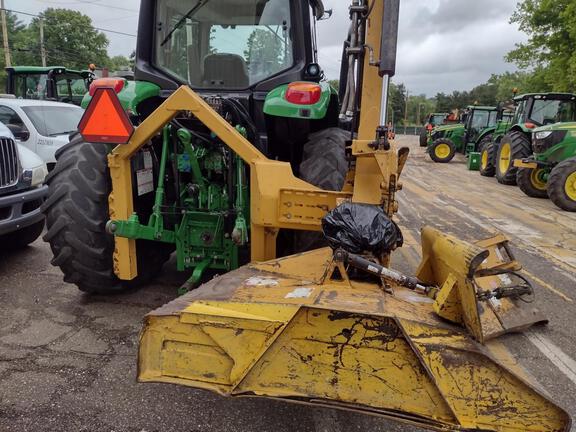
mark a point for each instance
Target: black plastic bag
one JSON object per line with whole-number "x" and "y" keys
{"x": 360, "y": 228}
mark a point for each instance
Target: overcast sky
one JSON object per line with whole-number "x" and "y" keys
{"x": 444, "y": 45}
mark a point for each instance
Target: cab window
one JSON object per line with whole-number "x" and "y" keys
{"x": 14, "y": 122}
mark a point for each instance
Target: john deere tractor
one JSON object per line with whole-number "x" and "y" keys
{"x": 532, "y": 111}
{"x": 225, "y": 149}
{"x": 51, "y": 83}
{"x": 551, "y": 170}
{"x": 434, "y": 119}
{"x": 446, "y": 141}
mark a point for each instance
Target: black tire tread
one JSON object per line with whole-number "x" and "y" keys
{"x": 524, "y": 182}
{"x": 76, "y": 214}
{"x": 521, "y": 148}
{"x": 556, "y": 184}
{"x": 442, "y": 141}
{"x": 324, "y": 165}
{"x": 490, "y": 169}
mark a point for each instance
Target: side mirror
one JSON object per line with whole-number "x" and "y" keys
{"x": 22, "y": 135}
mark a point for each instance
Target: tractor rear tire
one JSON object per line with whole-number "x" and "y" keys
{"x": 442, "y": 150}
{"x": 562, "y": 185}
{"x": 423, "y": 138}
{"x": 76, "y": 214}
{"x": 324, "y": 164}
{"x": 515, "y": 145}
{"x": 530, "y": 183}
{"x": 487, "y": 159}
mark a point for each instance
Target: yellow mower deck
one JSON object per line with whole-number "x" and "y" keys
{"x": 285, "y": 329}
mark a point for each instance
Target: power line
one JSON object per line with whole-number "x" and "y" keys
{"x": 93, "y": 2}
{"x": 97, "y": 28}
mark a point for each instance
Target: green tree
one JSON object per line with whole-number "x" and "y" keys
{"x": 70, "y": 39}
{"x": 22, "y": 47}
{"x": 264, "y": 53}
{"x": 119, "y": 62}
{"x": 551, "y": 27}
{"x": 396, "y": 103}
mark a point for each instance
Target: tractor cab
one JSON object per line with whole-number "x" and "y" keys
{"x": 48, "y": 83}
{"x": 250, "y": 59}
{"x": 541, "y": 109}
{"x": 478, "y": 121}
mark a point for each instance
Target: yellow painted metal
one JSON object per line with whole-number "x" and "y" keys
{"x": 282, "y": 329}
{"x": 484, "y": 160}
{"x": 278, "y": 198}
{"x": 505, "y": 155}
{"x": 570, "y": 186}
{"x": 464, "y": 270}
{"x": 537, "y": 179}
{"x": 519, "y": 163}
{"x": 442, "y": 151}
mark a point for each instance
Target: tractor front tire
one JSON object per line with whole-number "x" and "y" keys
{"x": 562, "y": 185}
{"x": 515, "y": 145}
{"x": 442, "y": 150}
{"x": 423, "y": 138}
{"x": 324, "y": 164}
{"x": 76, "y": 214}
{"x": 487, "y": 159}
{"x": 530, "y": 182}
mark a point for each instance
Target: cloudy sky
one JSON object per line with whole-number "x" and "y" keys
{"x": 444, "y": 45}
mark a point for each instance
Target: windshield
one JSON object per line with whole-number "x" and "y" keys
{"x": 438, "y": 119}
{"x": 481, "y": 119}
{"x": 30, "y": 86}
{"x": 546, "y": 112}
{"x": 226, "y": 44}
{"x": 54, "y": 120}
{"x": 70, "y": 88}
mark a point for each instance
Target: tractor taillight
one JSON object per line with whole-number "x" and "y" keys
{"x": 116, "y": 83}
{"x": 530, "y": 125}
{"x": 303, "y": 93}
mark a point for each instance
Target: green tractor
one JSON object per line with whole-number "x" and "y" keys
{"x": 445, "y": 141}
{"x": 551, "y": 171}
{"x": 532, "y": 111}
{"x": 186, "y": 179}
{"x": 51, "y": 83}
{"x": 434, "y": 119}
{"x": 489, "y": 147}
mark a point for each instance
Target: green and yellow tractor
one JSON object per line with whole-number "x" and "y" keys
{"x": 445, "y": 141}
{"x": 434, "y": 119}
{"x": 551, "y": 170}
{"x": 51, "y": 83}
{"x": 532, "y": 110}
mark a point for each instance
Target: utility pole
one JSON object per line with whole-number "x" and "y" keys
{"x": 5, "y": 35}
{"x": 42, "y": 47}
{"x": 406, "y": 108}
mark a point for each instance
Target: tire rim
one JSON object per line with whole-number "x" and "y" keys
{"x": 505, "y": 154}
{"x": 538, "y": 179}
{"x": 484, "y": 162}
{"x": 442, "y": 151}
{"x": 570, "y": 186}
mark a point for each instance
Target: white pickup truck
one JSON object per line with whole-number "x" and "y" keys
{"x": 22, "y": 191}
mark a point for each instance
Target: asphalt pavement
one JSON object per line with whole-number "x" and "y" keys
{"x": 68, "y": 360}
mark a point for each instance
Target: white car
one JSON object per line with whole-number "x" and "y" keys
{"x": 40, "y": 126}
{"x": 22, "y": 192}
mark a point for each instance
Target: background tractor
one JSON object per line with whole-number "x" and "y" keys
{"x": 434, "y": 119}
{"x": 489, "y": 145}
{"x": 532, "y": 111}
{"x": 255, "y": 64}
{"x": 52, "y": 83}
{"x": 445, "y": 141}
{"x": 551, "y": 170}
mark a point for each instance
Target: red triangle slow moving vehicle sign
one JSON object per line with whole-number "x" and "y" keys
{"x": 105, "y": 121}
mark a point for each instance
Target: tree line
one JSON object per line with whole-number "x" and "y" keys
{"x": 70, "y": 40}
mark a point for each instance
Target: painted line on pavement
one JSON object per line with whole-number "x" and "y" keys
{"x": 559, "y": 358}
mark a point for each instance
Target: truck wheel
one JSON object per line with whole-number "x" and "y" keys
{"x": 487, "y": 158}
{"x": 76, "y": 214}
{"x": 532, "y": 182}
{"x": 324, "y": 165}
{"x": 23, "y": 237}
{"x": 423, "y": 138}
{"x": 442, "y": 150}
{"x": 562, "y": 185}
{"x": 515, "y": 145}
